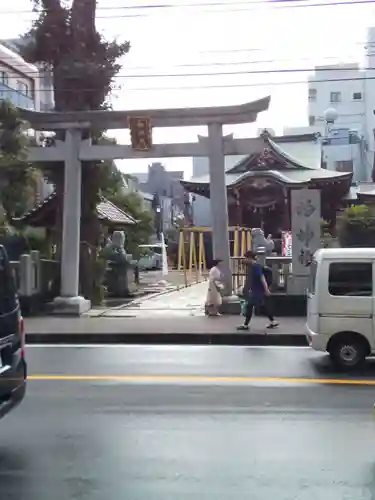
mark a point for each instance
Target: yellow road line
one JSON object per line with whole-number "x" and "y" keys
{"x": 197, "y": 379}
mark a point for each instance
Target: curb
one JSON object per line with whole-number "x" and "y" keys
{"x": 169, "y": 338}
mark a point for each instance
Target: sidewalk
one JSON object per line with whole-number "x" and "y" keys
{"x": 175, "y": 317}
{"x": 184, "y": 302}
{"x": 183, "y": 330}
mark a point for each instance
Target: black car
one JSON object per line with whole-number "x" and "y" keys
{"x": 13, "y": 371}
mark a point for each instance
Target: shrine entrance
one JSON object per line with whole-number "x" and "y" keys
{"x": 74, "y": 150}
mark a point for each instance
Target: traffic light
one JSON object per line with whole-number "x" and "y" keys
{"x": 140, "y": 133}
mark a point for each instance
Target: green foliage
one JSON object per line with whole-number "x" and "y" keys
{"x": 357, "y": 226}
{"x": 83, "y": 62}
{"x": 99, "y": 289}
{"x": 5, "y": 228}
{"x": 13, "y": 139}
{"x": 363, "y": 215}
{"x": 19, "y": 189}
{"x": 18, "y": 179}
{"x": 111, "y": 177}
{"x": 37, "y": 241}
{"x": 140, "y": 234}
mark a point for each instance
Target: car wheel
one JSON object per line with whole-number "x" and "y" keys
{"x": 348, "y": 352}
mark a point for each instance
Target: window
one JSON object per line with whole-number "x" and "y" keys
{"x": 335, "y": 97}
{"x": 311, "y": 120}
{"x": 23, "y": 88}
{"x": 357, "y": 96}
{"x": 4, "y": 78}
{"x": 350, "y": 279}
{"x": 312, "y": 94}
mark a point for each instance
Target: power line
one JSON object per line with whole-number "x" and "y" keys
{"x": 161, "y": 6}
{"x": 213, "y": 8}
{"x": 238, "y": 63}
{"x": 245, "y": 85}
{"x": 237, "y": 73}
{"x": 231, "y": 73}
{"x": 212, "y": 86}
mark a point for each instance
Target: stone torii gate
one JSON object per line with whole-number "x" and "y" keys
{"x": 73, "y": 150}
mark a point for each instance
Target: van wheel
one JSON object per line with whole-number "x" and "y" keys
{"x": 348, "y": 351}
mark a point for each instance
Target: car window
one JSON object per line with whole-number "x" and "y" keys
{"x": 350, "y": 279}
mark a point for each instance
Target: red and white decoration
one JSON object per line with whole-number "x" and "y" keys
{"x": 287, "y": 244}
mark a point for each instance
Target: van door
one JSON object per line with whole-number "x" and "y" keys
{"x": 348, "y": 305}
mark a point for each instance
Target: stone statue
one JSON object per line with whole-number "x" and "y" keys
{"x": 114, "y": 250}
{"x": 259, "y": 241}
{"x": 120, "y": 277}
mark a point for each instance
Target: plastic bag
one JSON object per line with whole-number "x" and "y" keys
{"x": 243, "y": 307}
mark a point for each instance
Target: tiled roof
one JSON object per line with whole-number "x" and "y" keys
{"x": 300, "y": 163}
{"x": 106, "y": 210}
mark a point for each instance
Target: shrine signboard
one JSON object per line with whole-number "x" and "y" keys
{"x": 140, "y": 133}
{"x": 305, "y": 208}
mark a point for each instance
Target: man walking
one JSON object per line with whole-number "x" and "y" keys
{"x": 256, "y": 292}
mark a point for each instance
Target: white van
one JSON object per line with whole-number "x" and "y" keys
{"x": 152, "y": 258}
{"x": 341, "y": 304}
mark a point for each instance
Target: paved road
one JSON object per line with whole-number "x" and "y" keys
{"x": 171, "y": 423}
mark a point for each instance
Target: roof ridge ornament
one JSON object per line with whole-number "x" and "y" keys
{"x": 265, "y": 134}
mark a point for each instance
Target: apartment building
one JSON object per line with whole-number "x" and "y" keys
{"x": 348, "y": 89}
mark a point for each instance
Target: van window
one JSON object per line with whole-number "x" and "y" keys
{"x": 350, "y": 279}
{"x": 313, "y": 268}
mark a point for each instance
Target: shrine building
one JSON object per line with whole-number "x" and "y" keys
{"x": 259, "y": 185}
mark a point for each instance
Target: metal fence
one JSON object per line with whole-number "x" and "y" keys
{"x": 281, "y": 272}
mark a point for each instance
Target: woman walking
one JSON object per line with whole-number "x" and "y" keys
{"x": 213, "y": 299}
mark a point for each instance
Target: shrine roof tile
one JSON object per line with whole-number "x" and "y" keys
{"x": 297, "y": 176}
{"x": 105, "y": 210}
{"x": 306, "y": 154}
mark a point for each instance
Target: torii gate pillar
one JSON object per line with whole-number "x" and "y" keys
{"x": 218, "y": 202}
{"x": 70, "y": 302}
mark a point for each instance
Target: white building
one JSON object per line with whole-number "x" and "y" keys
{"x": 348, "y": 89}
{"x": 19, "y": 80}
{"x": 40, "y": 78}
{"x": 340, "y": 87}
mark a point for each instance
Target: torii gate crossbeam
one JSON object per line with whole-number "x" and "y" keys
{"x": 74, "y": 150}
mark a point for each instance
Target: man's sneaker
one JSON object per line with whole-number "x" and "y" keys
{"x": 274, "y": 324}
{"x": 242, "y": 328}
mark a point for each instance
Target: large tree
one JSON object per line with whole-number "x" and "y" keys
{"x": 64, "y": 38}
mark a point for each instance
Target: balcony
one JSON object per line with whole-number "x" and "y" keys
{"x": 16, "y": 97}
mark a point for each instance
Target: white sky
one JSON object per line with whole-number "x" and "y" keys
{"x": 239, "y": 36}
